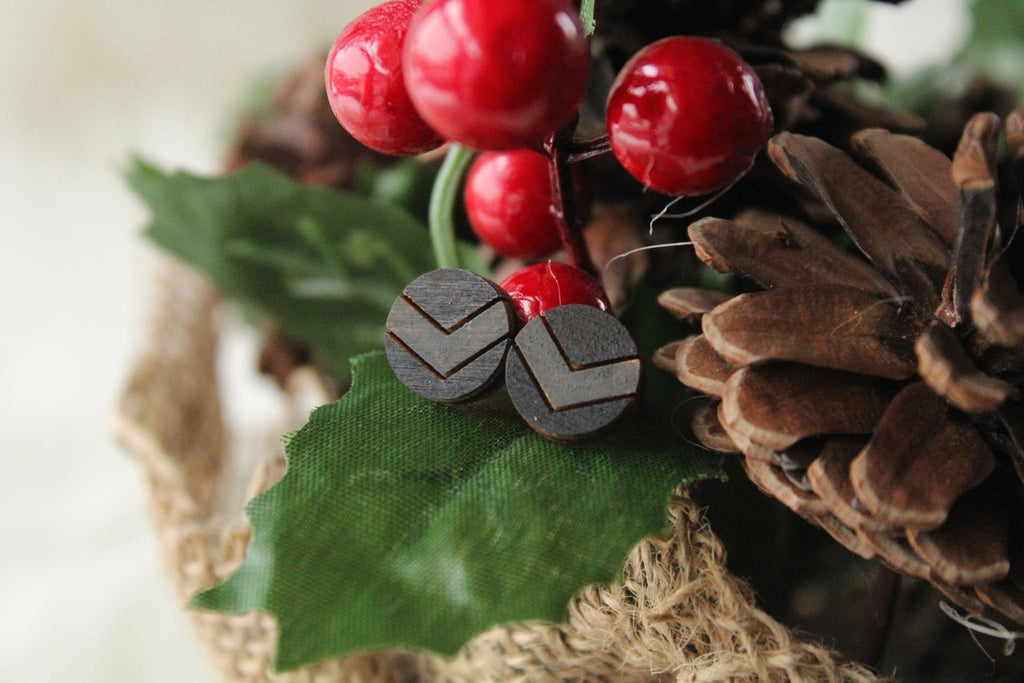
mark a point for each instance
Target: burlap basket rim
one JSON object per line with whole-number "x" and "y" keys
{"x": 677, "y": 615}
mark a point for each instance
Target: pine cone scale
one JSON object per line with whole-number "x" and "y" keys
{"x": 949, "y": 371}
{"x": 895, "y": 553}
{"x": 778, "y": 404}
{"x": 921, "y": 174}
{"x": 834, "y": 327}
{"x": 773, "y": 481}
{"x": 880, "y": 223}
{"x": 997, "y": 308}
{"x": 709, "y": 431}
{"x": 1007, "y": 596}
{"x": 690, "y": 303}
{"x": 699, "y": 367}
{"x": 780, "y": 254}
{"x": 829, "y": 476}
{"x": 970, "y": 548}
{"x": 919, "y": 461}
{"x": 847, "y": 538}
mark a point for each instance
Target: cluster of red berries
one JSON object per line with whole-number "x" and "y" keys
{"x": 686, "y": 116}
{"x": 406, "y": 76}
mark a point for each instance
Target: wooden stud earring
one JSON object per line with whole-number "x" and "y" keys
{"x": 573, "y": 372}
{"x": 448, "y": 334}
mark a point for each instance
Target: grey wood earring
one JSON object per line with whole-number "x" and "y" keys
{"x": 573, "y": 372}
{"x": 448, "y": 335}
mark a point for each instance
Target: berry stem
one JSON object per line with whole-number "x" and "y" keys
{"x": 581, "y": 150}
{"x": 569, "y": 220}
{"x": 587, "y": 17}
{"x": 442, "y": 201}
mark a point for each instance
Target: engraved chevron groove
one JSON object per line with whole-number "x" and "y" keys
{"x": 565, "y": 387}
{"x": 445, "y": 352}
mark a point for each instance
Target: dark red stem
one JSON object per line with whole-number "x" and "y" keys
{"x": 570, "y": 224}
{"x": 581, "y": 150}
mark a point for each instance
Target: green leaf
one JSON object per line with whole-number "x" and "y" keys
{"x": 996, "y": 23}
{"x": 404, "y": 523}
{"x": 996, "y": 45}
{"x": 407, "y": 184}
{"x": 326, "y": 265}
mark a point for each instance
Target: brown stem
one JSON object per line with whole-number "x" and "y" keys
{"x": 581, "y": 150}
{"x": 570, "y": 221}
{"x": 885, "y": 594}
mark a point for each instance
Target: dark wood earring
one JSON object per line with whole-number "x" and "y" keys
{"x": 573, "y": 372}
{"x": 448, "y": 334}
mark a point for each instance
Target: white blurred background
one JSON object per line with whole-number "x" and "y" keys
{"x": 82, "y": 86}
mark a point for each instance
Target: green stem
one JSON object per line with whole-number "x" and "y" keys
{"x": 442, "y": 201}
{"x": 587, "y": 16}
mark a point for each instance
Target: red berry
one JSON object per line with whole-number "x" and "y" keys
{"x": 543, "y": 286}
{"x": 496, "y": 74}
{"x": 364, "y": 82}
{"x": 509, "y": 200}
{"x": 687, "y": 116}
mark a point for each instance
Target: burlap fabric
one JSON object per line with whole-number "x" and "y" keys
{"x": 678, "y": 614}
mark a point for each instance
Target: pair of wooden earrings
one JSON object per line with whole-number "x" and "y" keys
{"x": 572, "y": 372}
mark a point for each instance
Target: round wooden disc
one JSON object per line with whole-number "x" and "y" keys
{"x": 448, "y": 334}
{"x": 573, "y": 372}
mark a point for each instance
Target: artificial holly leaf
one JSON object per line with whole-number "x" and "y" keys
{"x": 326, "y": 265}
{"x": 405, "y": 523}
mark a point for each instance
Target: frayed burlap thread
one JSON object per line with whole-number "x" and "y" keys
{"x": 678, "y": 614}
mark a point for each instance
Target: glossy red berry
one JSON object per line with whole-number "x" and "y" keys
{"x": 509, "y": 199}
{"x": 365, "y": 86}
{"x": 496, "y": 74}
{"x": 687, "y": 116}
{"x": 543, "y": 286}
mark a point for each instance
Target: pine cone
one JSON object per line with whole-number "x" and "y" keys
{"x": 878, "y": 398}
{"x": 300, "y": 136}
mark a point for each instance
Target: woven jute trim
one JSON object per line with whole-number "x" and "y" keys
{"x": 677, "y": 615}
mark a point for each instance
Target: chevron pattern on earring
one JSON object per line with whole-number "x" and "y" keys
{"x": 448, "y": 334}
{"x": 573, "y": 372}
